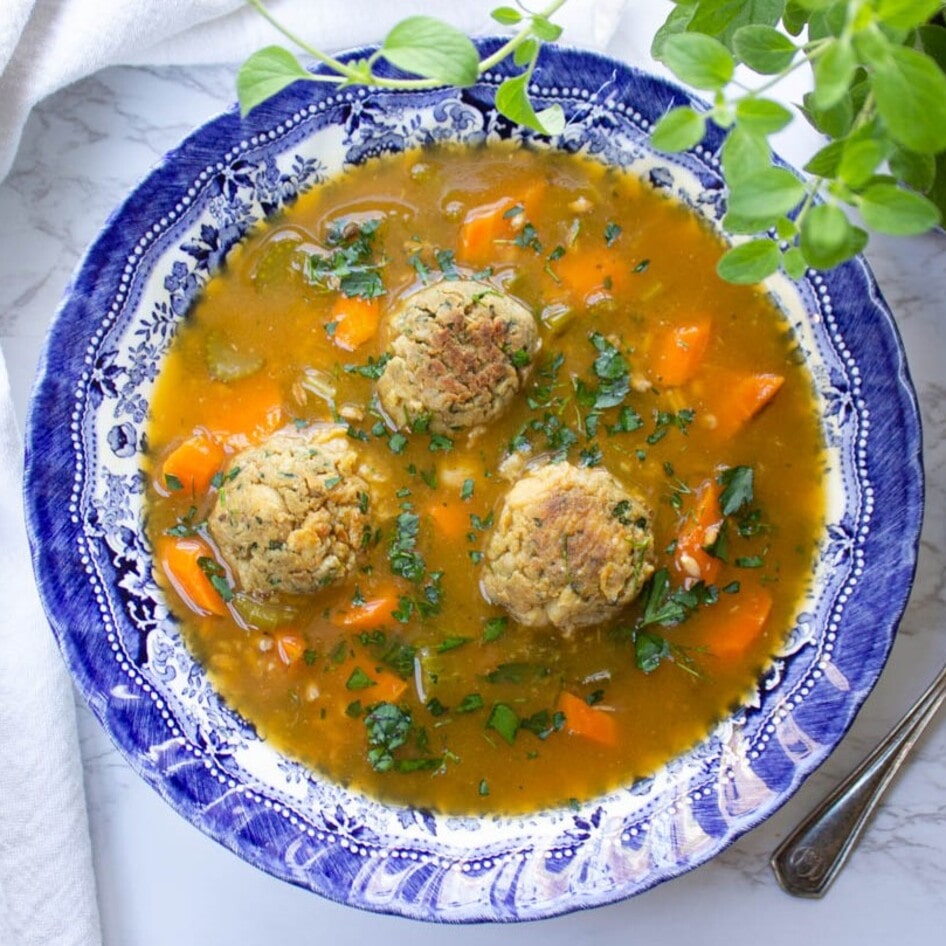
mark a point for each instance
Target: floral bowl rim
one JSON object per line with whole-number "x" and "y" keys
{"x": 83, "y": 487}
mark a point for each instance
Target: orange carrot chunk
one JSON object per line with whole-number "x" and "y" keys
{"x": 583, "y": 720}
{"x": 290, "y": 647}
{"x": 356, "y": 320}
{"x": 679, "y": 352}
{"x": 587, "y": 274}
{"x": 699, "y": 531}
{"x": 737, "y": 621}
{"x": 743, "y": 399}
{"x": 451, "y": 520}
{"x": 363, "y": 680}
{"x": 192, "y": 464}
{"x": 482, "y": 231}
{"x": 373, "y": 613}
{"x": 180, "y": 559}
{"x": 241, "y": 412}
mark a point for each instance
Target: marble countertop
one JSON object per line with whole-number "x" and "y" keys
{"x": 160, "y": 881}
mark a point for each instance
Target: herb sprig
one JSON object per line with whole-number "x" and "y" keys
{"x": 431, "y": 52}
{"x": 878, "y": 95}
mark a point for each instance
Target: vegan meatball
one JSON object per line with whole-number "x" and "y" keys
{"x": 291, "y": 512}
{"x": 570, "y": 548}
{"x": 460, "y": 352}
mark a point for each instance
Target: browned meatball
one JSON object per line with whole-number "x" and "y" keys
{"x": 570, "y": 548}
{"x": 460, "y": 352}
{"x": 292, "y": 511}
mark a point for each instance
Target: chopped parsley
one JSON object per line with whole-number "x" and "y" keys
{"x": 494, "y": 628}
{"x": 668, "y": 606}
{"x": 403, "y": 556}
{"x": 503, "y": 719}
{"x": 216, "y": 575}
{"x": 388, "y": 728}
{"x": 611, "y": 232}
{"x": 373, "y": 369}
{"x": 349, "y": 266}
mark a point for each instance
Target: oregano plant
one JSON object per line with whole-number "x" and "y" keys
{"x": 432, "y": 52}
{"x": 878, "y": 96}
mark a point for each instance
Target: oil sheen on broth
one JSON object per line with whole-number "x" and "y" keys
{"x": 370, "y": 638}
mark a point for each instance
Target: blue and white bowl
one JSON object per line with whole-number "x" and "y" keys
{"x": 84, "y": 489}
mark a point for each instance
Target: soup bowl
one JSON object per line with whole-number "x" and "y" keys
{"x": 86, "y": 441}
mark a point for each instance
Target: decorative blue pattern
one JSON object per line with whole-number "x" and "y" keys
{"x": 84, "y": 492}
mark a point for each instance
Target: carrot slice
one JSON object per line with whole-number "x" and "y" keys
{"x": 373, "y": 613}
{"x": 487, "y": 230}
{"x": 734, "y": 626}
{"x": 743, "y": 398}
{"x": 699, "y": 530}
{"x": 356, "y": 320}
{"x": 179, "y": 558}
{"x": 586, "y": 721}
{"x": 451, "y": 520}
{"x": 290, "y": 647}
{"x": 191, "y": 465}
{"x": 482, "y": 229}
{"x": 240, "y": 412}
{"x": 679, "y": 352}
{"x": 587, "y": 274}
{"x": 382, "y": 686}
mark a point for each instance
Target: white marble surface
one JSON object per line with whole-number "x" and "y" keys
{"x": 160, "y": 881}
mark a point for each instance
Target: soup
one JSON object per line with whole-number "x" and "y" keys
{"x": 474, "y": 488}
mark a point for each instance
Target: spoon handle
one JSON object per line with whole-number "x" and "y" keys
{"x": 809, "y": 859}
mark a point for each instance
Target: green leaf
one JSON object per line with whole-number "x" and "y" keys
{"x": 738, "y": 484}
{"x": 265, "y": 74}
{"x": 749, "y": 262}
{"x": 905, "y": 14}
{"x": 679, "y": 129}
{"x": 508, "y": 16}
{"x": 824, "y": 163}
{"x": 744, "y": 154}
{"x": 937, "y": 192}
{"x": 721, "y": 18}
{"x": 891, "y": 209}
{"x": 512, "y": 100}
{"x": 793, "y": 262}
{"x": 428, "y": 47}
{"x": 649, "y": 650}
{"x": 698, "y": 60}
{"x": 762, "y": 116}
{"x": 932, "y": 40}
{"x": 795, "y": 18}
{"x": 677, "y": 22}
{"x": 763, "y": 49}
{"x": 860, "y": 158}
{"x": 836, "y": 121}
{"x": 504, "y": 720}
{"x": 828, "y": 238}
{"x": 523, "y": 55}
{"x": 916, "y": 170}
{"x": 545, "y": 29}
{"x": 766, "y": 194}
{"x": 910, "y": 91}
{"x": 833, "y": 70}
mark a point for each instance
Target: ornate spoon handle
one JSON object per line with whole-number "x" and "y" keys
{"x": 811, "y": 857}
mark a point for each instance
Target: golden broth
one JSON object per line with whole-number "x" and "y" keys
{"x": 610, "y": 267}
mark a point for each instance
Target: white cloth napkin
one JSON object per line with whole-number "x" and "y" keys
{"x": 47, "y": 888}
{"x": 47, "y": 885}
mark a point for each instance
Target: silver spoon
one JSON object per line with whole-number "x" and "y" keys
{"x": 809, "y": 859}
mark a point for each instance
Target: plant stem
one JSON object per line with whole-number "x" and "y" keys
{"x": 516, "y": 41}
{"x": 348, "y": 74}
{"x": 345, "y": 71}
